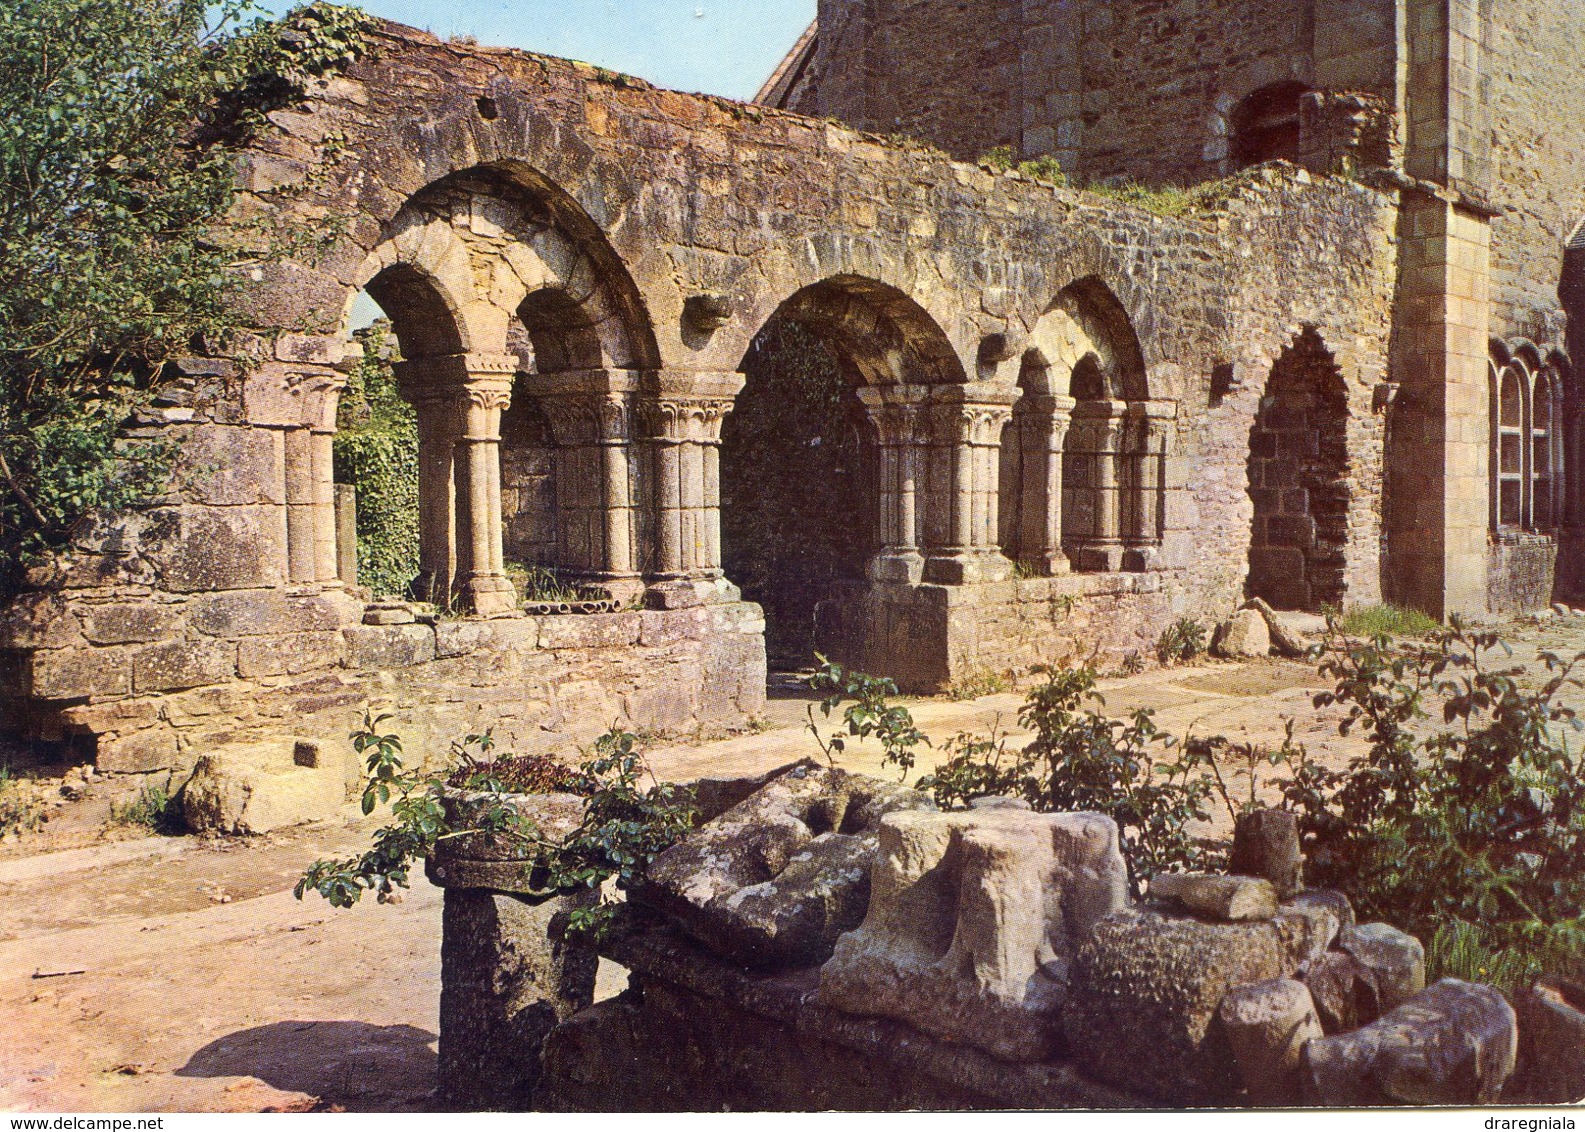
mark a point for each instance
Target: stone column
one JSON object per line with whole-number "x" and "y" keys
{"x": 682, "y": 414}
{"x": 968, "y": 421}
{"x": 895, "y": 412}
{"x": 459, "y": 399}
{"x": 1045, "y": 422}
{"x": 324, "y": 394}
{"x": 1092, "y": 485}
{"x": 300, "y": 558}
{"x": 591, "y": 414}
{"x": 1147, "y": 431}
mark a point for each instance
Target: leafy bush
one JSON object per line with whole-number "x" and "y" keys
{"x": 117, "y": 161}
{"x": 376, "y": 450}
{"x": 869, "y": 712}
{"x": 1181, "y": 641}
{"x": 1481, "y": 821}
{"x": 1153, "y": 787}
{"x": 625, "y": 825}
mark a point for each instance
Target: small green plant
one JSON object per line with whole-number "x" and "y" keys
{"x": 21, "y": 811}
{"x": 985, "y": 682}
{"x": 1000, "y": 158}
{"x": 1462, "y": 950}
{"x": 1384, "y": 621}
{"x": 625, "y": 823}
{"x": 154, "y": 809}
{"x": 869, "y": 712}
{"x": 536, "y": 583}
{"x": 1181, "y": 642}
{"x": 1045, "y": 168}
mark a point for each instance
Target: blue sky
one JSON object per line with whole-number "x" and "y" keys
{"x": 726, "y": 47}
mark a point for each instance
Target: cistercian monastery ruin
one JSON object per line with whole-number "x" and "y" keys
{"x": 1335, "y": 372}
{"x": 1344, "y": 379}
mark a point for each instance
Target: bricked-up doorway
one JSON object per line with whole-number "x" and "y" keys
{"x": 798, "y": 459}
{"x": 1298, "y": 481}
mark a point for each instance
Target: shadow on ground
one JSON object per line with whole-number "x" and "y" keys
{"x": 352, "y": 1065}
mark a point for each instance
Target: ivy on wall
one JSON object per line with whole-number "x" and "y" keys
{"x": 376, "y": 450}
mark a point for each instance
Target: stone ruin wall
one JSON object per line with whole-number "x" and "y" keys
{"x": 219, "y": 615}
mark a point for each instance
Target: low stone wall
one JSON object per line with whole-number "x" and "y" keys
{"x": 146, "y": 686}
{"x": 1520, "y": 573}
{"x": 930, "y": 637}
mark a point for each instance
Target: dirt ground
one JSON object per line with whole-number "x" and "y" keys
{"x": 145, "y": 973}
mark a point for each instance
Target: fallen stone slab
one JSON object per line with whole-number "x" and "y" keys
{"x": 973, "y": 920}
{"x": 1267, "y": 1024}
{"x": 1343, "y": 990}
{"x": 1285, "y": 629}
{"x": 254, "y": 788}
{"x": 1217, "y": 897}
{"x": 1451, "y": 1044}
{"x": 775, "y": 879}
{"x": 1243, "y": 635}
{"x": 1144, "y": 990}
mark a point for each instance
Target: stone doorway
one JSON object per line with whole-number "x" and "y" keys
{"x": 1298, "y": 481}
{"x": 798, "y": 467}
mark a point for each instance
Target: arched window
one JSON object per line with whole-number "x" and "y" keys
{"x": 1527, "y": 471}
{"x": 1508, "y": 444}
{"x": 1266, "y": 125}
{"x": 1545, "y": 451}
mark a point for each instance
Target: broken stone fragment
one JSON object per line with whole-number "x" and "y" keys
{"x": 775, "y": 879}
{"x": 1266, "y": 844}
{"x": 1552, "y": 1042}
{"x": 973, "y": 921}
{"x": 1285, "y": 641}
{"x": 1395, "y": 959}
{"x": 1344, "y": 992}
{"x": 1242, "y": 635}
{"x": 1267, "y": 1024}
{"x": 715, "y": 796}
{"x": 1334, "y": 902}
{"x": 1452, "y": 1044}
{"x": 1144, "y": 991}
{"x": 1217, "y": 897}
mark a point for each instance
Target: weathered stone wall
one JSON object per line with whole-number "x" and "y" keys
{"x": 236, "y": 667}
{"x": 538, "y": 228}
{"x": 1141, "y": 89}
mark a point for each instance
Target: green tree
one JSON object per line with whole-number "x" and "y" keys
{"x": 118, "y": 151}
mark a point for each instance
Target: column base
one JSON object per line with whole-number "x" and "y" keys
{"x": 490, "y": 595}
{"x": 904, "y": 566}
{"x": 1101, "y": 559}
{"x": 967, "y": 568}
{"x": 687, "y": 593}
{"x": 1050, "y": 565}
{"x": 1139, "y": 559}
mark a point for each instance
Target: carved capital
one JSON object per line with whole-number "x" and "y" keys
{"x": 678, "y": 420}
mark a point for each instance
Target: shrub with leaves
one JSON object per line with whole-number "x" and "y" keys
{"x": 1479, "y": 821}
{"x": 625, "y": 825}
{"x": 21, "y": 810}
{"x": 1153, "y": 787}
{"x": 1180, "y": 642}
{"x": 118, "y": 152}
{"x": 869, "y": 714}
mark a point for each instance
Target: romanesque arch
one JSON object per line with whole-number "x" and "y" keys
{"x": 523, "y": 342}
{"x": 1298, "y": 481}
{"x": 1083, "y": 459}
{"x": 835, "y": 451}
